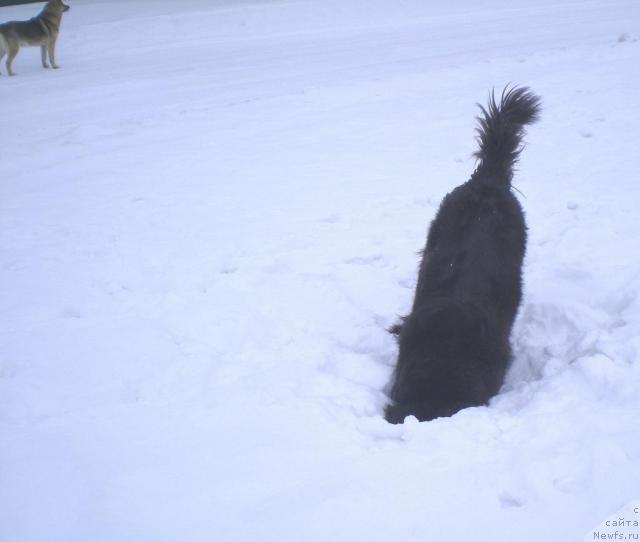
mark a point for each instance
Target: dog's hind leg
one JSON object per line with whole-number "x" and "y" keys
{"x": 13, "y": 51}
{"x": 43, "y": 54}
{"x": 396, "y": 329}
{"x": 3, "y": 48}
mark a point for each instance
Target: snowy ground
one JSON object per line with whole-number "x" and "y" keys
{"x": 210, "y": 214}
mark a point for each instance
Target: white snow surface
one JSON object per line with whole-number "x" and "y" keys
{"x": 211, "y": 213}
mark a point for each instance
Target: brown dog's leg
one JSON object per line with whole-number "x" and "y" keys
{"x": 43, "y": 54}
{"x": 52, "y": 54}
{"x": 12, "y": 54}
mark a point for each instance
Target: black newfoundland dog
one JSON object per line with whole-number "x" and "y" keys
{"x": 454, "y": 345}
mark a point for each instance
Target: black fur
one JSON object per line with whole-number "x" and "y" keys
{"x": 454, "y": 345}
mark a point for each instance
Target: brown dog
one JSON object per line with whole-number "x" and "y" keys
{"x": 42, "y": 30}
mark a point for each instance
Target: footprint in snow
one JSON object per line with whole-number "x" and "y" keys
{"x": 228, "y": 270}
{"x": 71, "y": 312}
{"x": 366, "y": 260}
{"x": 509, "y": 501}
{"x": 407, "y": 283}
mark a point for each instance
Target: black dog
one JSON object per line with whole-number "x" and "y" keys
{"x": 454, "y": 345}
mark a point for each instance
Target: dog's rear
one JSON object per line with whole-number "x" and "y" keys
{"x": 454, "y": 345}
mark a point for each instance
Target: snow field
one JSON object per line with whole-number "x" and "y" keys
{"x": 210, "y": 215}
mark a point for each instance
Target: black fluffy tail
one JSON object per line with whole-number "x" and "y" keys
{"x": 500, "y": 130}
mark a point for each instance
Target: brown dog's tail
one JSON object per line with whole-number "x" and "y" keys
{"x": 500, "y": 131}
